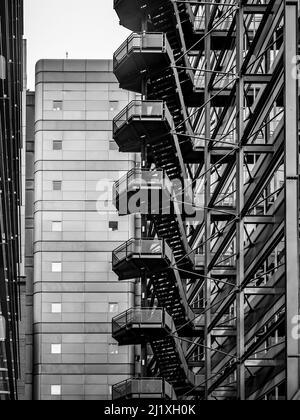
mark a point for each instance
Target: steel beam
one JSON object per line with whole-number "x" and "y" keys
{"x": 264, "y": 291}
{"x": 207, "y": 212}
{"x": 292, "y": 199}
{"x": 260, "y": 363}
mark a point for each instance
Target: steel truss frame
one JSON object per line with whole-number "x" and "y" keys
{"x": 246, "y": 189}
{"x": 237, "y": 373}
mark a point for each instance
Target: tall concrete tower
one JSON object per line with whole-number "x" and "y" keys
{"x": 76, "y": 228}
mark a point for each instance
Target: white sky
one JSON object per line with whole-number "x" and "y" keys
{"x": 83, "y": 28}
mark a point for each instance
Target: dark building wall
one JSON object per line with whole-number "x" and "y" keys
{"x": 22, "y": 342}
{"x": 11, "y": 85}
{"x": 29, "y": 270}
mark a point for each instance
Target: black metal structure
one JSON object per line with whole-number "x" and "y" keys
{"x": 218, "y": 114}
{"x": 11, "y": 81}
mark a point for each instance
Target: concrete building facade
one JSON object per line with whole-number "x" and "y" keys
{"x": 76, "y": 228}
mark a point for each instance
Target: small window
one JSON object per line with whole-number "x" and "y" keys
{"x": 113, "y": 308}
{"x": 56, "y": 267}
{"x": 56, "y": 390}
{"x": 57, "y": 185}
{"x": 2, "y": 67}
{"x": 57, "y": 105}
{"x": 113, "y": 145}
{"x": 113, "y": 226}
{"x": 113, "y": 349}
{"x": 55, "y": 348}
{"x": 56, "y": 308}
{"x": 113, "y": 105}
{"x": 2, "y": 329}
{"x": 57, "y": 145}
{"x": 110, "y": 389}
{"x": 56, "y": 226}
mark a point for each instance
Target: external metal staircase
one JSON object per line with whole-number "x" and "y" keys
{"x": 152, "y": 64}
{"x": 155, "y": 259}
{"x": 217, "y": 72}
{"x": 156, "y": 327}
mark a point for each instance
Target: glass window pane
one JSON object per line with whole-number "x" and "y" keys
{"x": 56, "y": 226}
{"x": 113, "y": 105}
{"x": 56, "y": 308}
{"x": 113, "y": 226}
{"x": 113, "y": 349}
{"x": 57, "y": 105}
{"x": 57, "y": 185}
{"x": 113, "y": 307}
{"x": 57, "y": 145}
{"x": 2, "y": 67}
{"x": 56, "y": 267}
{"x": 55, "y": 348}
{"x": 2, "y": 328}
{"x": 55, "y": 389}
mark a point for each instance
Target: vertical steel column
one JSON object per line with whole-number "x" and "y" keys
{"x": 144, "y": 304}
{"x": 144, "y": 279}
{"x": 292, "y": 198}
{"x": 207, "y": 213}
{"x": 144, "y": 164}
{"x": 240, "y": 299}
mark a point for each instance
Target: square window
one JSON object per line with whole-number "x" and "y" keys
{"x": 57, "y": 185}
{"x": 113, "y": 308}
{"x": 113, "y": 226}
{"x": 57, "y": 105}
{"x": 113, "y": 348}
{"x": 113, "y": 105}
{"x": 56, "y": 267}
{"x": 57, "y": 145}
{"x": 55, "y": 348}
{"x": 56, "y": 226}
{"x": 56, "y": 390}
{"x": 56, "y": 308}
{"x": 113, "y": 145}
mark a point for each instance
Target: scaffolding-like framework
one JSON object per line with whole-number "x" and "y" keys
{"x": 218, "y": 117}
{"x": 11, "y": 81}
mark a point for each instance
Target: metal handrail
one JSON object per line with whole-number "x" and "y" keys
{"x": 128, "y": 45}
{"x": 122, "y": 387}
{"x": 128, "y": 316}
{"x": 139, "y": 107}
{"x": 124, "y": 178}
{"x": 179, "y": 349}
{"x": 124, "y": 248}
{"x": 137, "y": 171}
{"x": 136, "y": 102}
{"x": 137, "y": 178}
